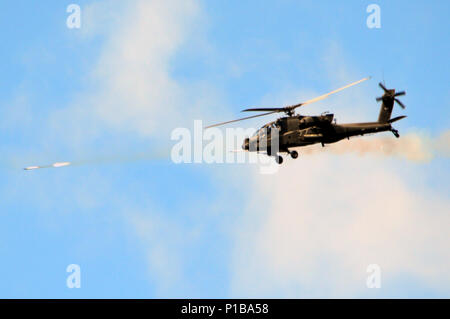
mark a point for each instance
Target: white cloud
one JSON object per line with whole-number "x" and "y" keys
{"x": 313, "y": 228}
{"x": 138, "y": 91}
{"x": 132, "y": 86}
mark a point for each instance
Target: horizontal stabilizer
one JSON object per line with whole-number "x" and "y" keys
{"x": 395, "y": 119}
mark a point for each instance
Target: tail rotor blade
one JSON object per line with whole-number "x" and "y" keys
{"x": 399, "y": 103}
{"x": 383, "y": 87}
{"x": 400, "y": 93}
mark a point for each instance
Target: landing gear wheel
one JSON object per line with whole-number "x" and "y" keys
{"x": 294, "y": 154}
{"x": 279, "y": 159}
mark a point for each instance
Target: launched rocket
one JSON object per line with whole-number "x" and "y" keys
{"x": 56, "y": 165}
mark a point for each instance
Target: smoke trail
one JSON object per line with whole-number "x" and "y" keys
{"x": 412, "y": 146}
{"x": 442, "y": 144}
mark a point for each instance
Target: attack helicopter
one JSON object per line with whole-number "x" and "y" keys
{"x": 295, "y": 130}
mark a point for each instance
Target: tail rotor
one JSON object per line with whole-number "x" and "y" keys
{"x": 390, "y": 94}
{"x": 388, "y": 99}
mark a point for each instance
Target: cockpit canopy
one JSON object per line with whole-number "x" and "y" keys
{"x": 265, "y": 129}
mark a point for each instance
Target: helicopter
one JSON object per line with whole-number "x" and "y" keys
{"x": 295, "y": 130}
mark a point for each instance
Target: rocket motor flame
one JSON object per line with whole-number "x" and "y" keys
{"x": 61, "y": 164}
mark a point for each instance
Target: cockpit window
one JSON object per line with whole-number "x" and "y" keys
{"x": 265, "y": 129}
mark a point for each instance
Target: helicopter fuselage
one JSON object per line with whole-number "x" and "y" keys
{"x": 297, "y": 131}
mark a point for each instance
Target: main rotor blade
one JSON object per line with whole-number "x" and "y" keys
{"x": 287, "y": 108}
{"x": 327, "y": 94}
{"x": 292, "y": 107}
{"x": 399, "y": 103}
{"x": 264, "y": 109}
{"x": 242, "y": 119}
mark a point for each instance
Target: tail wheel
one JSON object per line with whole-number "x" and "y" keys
{"x": 279, "y": 159}
{"x": 294, "y": 154}
{"x": 395, "y": 132}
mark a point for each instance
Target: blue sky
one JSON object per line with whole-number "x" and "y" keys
{"x": 143, "y": 227}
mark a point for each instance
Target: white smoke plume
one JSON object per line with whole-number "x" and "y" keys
{"x": 414, "y": 147}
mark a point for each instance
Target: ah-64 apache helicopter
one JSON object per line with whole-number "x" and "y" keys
{"x": 298, "y": 130}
